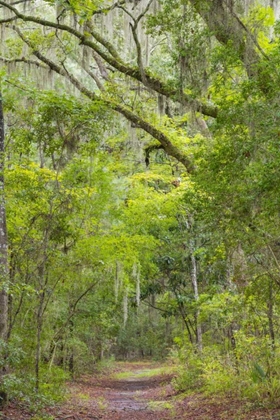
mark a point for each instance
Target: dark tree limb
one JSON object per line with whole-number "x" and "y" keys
{"x": 150, "y": 149}
{"x": 23, "y": 60}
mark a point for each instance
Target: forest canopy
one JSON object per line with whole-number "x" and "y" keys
{"x": 139, "y": 186}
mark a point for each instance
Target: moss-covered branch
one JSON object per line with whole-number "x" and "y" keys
{"x": 114, "y": 60}
{"x": 157, "y": 134}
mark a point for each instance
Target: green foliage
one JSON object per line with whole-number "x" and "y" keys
{"x": 219, "y": 374}
{"x": 228, "y": 374}
{"x": 189, "y": 367}
{"x": 116, "y": 251}
{"x": 22, "y": 387}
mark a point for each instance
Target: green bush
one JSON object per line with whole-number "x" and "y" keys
{"x": 21, "y": 386}
{"x": 219, "y": 374}
{"x": 249, "y": 371}
{"x": 189, "y": 368}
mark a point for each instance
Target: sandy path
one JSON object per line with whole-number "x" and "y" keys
{"x": 132, "y": 398}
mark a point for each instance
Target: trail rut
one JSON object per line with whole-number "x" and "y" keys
{"x": 127, "y": 399}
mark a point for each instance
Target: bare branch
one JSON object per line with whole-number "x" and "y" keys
{"x": 8, "y": 20}
{"x": 108, "y": 9}
{"x": 144, "y": 11}
{"x": 95, "y": 78}
{"x": 101, "y": 67}
{"x": 18, "y": 2}
{"x": 22, "y": 60}
{"x": 127, "y": 12}
{"x": 139, "y": 53}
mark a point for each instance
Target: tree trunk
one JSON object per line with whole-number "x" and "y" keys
{"x": 3, "y": 250}
{"x": 270, "y": 311}
{"x": 3, "y": 236}
{"x": 196, "y": 297}
{"x": 71, "y": 365}
{"x": 38, "y": 342}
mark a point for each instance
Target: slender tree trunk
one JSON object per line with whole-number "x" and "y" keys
{"x": 38, "y": 344}
{"x": 41, "y": 273}
{"x": 196, "y": 297}
{"x": 4, "y": 271}
{"x": 198, "y": 330}
{"x": 270, "y": 314}
{"x": 42, "y": 277}
{"x": 186, "y": 322}
{"x": 3, "y": 237}
{"x": 71, "y": 356}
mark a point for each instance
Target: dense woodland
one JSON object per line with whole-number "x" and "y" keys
{"x": 140, "y": 191}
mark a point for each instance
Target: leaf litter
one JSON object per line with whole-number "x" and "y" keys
{"x": 138, "y": 396}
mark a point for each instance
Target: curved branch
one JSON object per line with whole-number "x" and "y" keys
{"x": 108, "y": 9}
{"x": 134, "y": 72}
{"x": 95, "y": 78}
{"x": 144, "y": 12}
{"x": 8, "y": 20}
{"x": 107, "y": 44}
{"x": 139, "y": 54}
{"x": 150, "y": 149}
{"x": 163, "y": 139}
{"x": 22, "y": 60}
{"x": 137, "y": 43}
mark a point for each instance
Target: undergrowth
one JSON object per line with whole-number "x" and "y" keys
{"x": 249, "y": 372}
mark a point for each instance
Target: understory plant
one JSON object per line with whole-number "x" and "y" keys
{"x": 249, "y": 371}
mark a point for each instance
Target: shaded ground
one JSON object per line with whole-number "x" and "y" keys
{"x": 130, "y": 398}
{"x": 141, "y": 393}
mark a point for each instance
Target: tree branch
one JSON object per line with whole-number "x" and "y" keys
{"x": 251, "y": 36}
{"x": 108, "y": 9}
{"x": 150, "y": 149}
{"x": 22, "y": 60}
{"x": 100, "y": 65}
{"x": 227, "y": 27}
{"x": 74, "y": 307}
{"x": 95, "y": 78}
{"x": 8, "y": 20}
{"x": 167, "y": 145}
{"x": 144, "y": 11}
{"x": 154, "y": 83}
{"x": 139, "y": 54}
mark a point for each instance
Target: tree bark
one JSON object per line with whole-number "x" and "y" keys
{"x": 3, "y": 236}
{"x": 111, "y": 57}
{"x": 155, "y": 132}
{"x": 196, "y": 297}
{"x": 270, "y": 310}
{"x": 227, "y": 27}
{"x": 4, "y": 270}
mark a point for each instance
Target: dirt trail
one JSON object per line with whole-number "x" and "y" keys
{"x": 137, "y": 397}
{"x": 147, "y": 394}
{"x": 141, "y": 393}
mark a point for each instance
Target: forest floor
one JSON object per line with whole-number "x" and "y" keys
{"x": 139, "y": 391}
